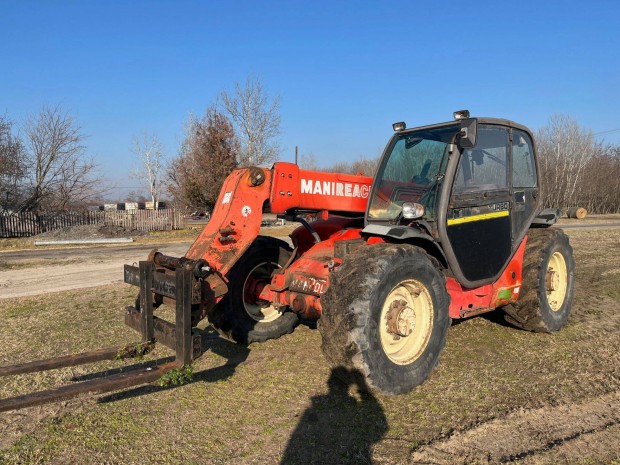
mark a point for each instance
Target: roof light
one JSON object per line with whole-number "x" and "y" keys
{"x": 461, "y": 114}
{"x": 400, "y": 126}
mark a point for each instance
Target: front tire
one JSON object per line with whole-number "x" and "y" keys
{"x": 240, "y": 316}
{"x": 548, "y": 287}
{"x": 385, "y": 314}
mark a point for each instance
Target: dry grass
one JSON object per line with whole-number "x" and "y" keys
{"x": 184, "y": 235}
{"x": 25, "y": 263}
{"x": 257, "y": 405}
{"x": 16, "y": 243}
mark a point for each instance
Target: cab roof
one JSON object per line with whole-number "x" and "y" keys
{"x": 481, "y": 120}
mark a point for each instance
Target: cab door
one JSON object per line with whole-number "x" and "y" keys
{"x": 479, "y": 223}
{"x": 524, "y": 184}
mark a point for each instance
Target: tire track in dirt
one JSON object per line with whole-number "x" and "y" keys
{"x": 552, "y": 434}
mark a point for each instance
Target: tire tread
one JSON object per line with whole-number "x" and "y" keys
{"x": 344, "y": 318}
{"x": 527, "y": 312}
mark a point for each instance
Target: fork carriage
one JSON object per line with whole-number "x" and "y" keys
{"x": 182, "y": 286}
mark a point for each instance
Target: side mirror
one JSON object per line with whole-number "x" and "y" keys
{"x": 469, "y": 133}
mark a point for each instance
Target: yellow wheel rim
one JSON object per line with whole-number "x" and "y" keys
{"x": 406, "y": 322}
{"x": 556, "y": 281}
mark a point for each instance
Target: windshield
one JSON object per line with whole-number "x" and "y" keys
{"x": 410, "y": 172}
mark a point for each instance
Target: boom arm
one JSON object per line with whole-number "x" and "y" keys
{"x": 236, "y": 218}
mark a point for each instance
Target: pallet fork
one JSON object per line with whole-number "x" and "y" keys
{"x": 178, "y": 337}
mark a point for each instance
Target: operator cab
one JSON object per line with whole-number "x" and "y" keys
{"x": 409, "y": 172}
{"x": 470, "y": 185}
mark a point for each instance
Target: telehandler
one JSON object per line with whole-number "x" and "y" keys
{"x": 451, "y": 226}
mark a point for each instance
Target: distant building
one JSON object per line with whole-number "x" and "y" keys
{"x": 128, "y": 206}
{"x": 160, "y": 205}
{"x": 132, "y": 206}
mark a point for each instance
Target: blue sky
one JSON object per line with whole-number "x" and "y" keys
{"x": 344, "y": 70}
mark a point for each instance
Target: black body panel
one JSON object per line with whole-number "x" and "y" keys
{"x": 481, "y": 247}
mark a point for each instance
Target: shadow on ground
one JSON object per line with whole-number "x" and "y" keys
{"x": 497, "y": 316}
{"x": 339, "y": 427}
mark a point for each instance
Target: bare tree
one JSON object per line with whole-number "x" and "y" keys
{"x": 135, "y": 196}
{"x": 150, "y": 153}
{"x": 600, "y": 188}
{"x": 256, "y": 119}
{"x": 60, "y": 175}
{"x": 565, "y": 149}
{"x": 307, "y": 161}
{"x": 13, "y": 161}
{"x": 361, "y": 165}
{"x": 207, "y": 156}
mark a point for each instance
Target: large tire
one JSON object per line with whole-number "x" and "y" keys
{"x": 239, "y": 316}
{"x": 374, "y": 283}
{"x": 546, "y": 295}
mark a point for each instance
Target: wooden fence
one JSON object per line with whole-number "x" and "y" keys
{"x": 29, "y": 224}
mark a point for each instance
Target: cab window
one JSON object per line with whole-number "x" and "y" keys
{"x": 484, "y": 167}
{"x": 523, "y": 165}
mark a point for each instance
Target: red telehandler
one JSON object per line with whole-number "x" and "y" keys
{"x": 450, "y": 227}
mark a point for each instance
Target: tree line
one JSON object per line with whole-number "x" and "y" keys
{"x": 46, "y": 166}
{"x": 576, "y": 169}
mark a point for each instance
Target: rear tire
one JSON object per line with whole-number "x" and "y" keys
{"x": 239, "y": 316}
{"x": 547, "y": 292}
{"x": 385, "y": 315}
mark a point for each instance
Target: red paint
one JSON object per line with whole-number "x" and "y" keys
{"x": 306, "y": 279}
{"x": 298, "y": 286}
{"x": 375, "y": 240}
{"x": 316, "y": 190}
{"x": 235, "y": 221}
{"x": 236, "y": 218}
{"x": 303, "y": 239}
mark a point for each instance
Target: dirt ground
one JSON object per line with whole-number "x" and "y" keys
{"x": 500, "y": 395}
{"x": 29, "y": 273}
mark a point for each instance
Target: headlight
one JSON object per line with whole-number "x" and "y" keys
{"x": 412, "y": 211}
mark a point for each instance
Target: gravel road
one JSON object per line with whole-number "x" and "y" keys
{"x": 72, "y": 268}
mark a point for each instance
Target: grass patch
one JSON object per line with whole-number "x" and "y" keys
{"x": 611, "y": 284}
{"x": 15, "y": 243}
{"x": 180, "y": 235}
{"x": 177, "y": 377}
